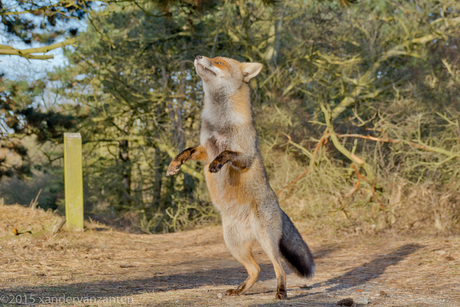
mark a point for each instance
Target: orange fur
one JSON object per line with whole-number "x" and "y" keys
{"x": 240, "y": 103}
{"x": 200, "y": 154}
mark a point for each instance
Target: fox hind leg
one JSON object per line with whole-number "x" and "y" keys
{"x": 253, "y": 269}
{"x": 270, "y": 244}
{"x": 241, "y": 250}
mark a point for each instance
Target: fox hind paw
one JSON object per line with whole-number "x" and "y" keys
{"x": 281, "y": 295}
{"x": 231, "y": 292}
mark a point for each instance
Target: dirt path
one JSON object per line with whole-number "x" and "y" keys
{"x": 105, "y": 267}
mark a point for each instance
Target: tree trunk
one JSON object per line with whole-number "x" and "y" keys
{"x": 125, "y": 172}
{"x": 180, "y": 137}
{"x": 158, "y": 176}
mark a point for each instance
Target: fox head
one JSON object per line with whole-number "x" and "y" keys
{"x": 224, "y": 74}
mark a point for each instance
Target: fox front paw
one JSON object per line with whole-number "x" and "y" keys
{"x": 215, "y": 166}
{"x": 173, "y": 168}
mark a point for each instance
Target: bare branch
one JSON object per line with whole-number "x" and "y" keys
{"x": 27, "y": 53}
{"x": 342, "y": 149}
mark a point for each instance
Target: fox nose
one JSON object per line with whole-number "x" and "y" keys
{"x": 198, "y": 57}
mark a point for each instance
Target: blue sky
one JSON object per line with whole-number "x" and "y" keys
{"x": 16, "y": 67}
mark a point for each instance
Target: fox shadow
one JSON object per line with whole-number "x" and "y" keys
{"x": 370, "y": 270}
{"x": 229, "y": 276}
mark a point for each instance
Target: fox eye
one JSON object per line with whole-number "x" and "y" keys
{"x": 220, "y": 63}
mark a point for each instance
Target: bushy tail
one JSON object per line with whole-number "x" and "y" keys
{"x": 295, "y": 250}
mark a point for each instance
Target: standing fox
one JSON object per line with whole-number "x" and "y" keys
{"x": 237, "y": 180}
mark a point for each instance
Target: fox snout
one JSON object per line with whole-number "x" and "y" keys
{"x": 204, "y": 67}
{"x": 200, "y": 59}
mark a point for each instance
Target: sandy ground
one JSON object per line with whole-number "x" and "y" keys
{"x": 103, "y": 267}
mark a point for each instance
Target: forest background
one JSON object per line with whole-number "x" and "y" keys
{"x": 357, "y": 108}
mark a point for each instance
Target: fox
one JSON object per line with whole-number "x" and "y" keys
{"x": 236, "y": 177}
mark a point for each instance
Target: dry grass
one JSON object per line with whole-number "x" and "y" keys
{"x": 191, "y": 268}
{"x": 328, "y": 200}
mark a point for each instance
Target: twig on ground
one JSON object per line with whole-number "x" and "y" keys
{"x": 34, "y": 202}
{"x": 58, "y": 226}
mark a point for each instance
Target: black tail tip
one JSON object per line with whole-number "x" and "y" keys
{"x": 299, "y": 258}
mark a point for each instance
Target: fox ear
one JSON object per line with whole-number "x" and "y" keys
{"x": 250, "y": 70}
